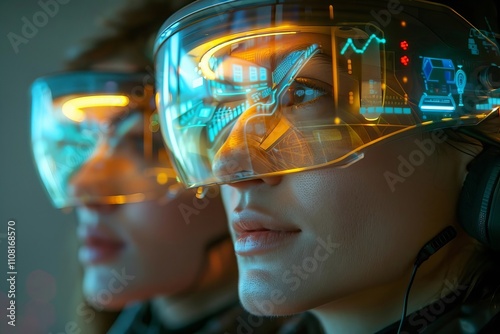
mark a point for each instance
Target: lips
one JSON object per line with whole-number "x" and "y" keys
{"x": 99, "y": 247}
{"x": 256, "y": 233}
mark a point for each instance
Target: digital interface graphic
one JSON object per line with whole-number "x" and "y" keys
{"x": 316, "y": 90}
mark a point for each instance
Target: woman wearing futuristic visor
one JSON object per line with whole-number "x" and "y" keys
{"x": 343, "y": 132}
{"x": 98, "y": 148}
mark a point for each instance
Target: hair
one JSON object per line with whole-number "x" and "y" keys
{"x": 491, "y": 127}
{"x": 131, "y": 32}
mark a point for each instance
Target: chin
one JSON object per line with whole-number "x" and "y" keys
{"x": 276, "y": 303}
{"x": 260, "y": 296}
{"x": 106, "y": 288}
{"x": 262, "y": 293}
{"x": 116, "y": 304}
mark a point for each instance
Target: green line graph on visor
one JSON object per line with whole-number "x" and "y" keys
{"x": 274, "y": 89}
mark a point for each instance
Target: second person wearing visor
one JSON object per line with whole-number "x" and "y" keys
{"x": 343, "y": 132}
{"x": 147, "y": 244}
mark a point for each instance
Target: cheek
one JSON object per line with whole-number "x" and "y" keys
{"x": 161, "y": 230}
{"x": 332, "y": 201}
{"x": 230, "y": 199}
{"x": 163, "y": 245}
{"x": 354, "y": 208}
{"x": 111, "y": 287}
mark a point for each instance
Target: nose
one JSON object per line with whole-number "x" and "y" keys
{"x": 259, "y": 145}
{"x": 100, "y": 182}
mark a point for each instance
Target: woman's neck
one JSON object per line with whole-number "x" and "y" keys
{"x": 369, "y": 311}
{"x": 376, "y": 308}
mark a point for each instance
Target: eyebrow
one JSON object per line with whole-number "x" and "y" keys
{"x": 279, "y": 56}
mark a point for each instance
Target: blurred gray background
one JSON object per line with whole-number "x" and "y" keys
{"x": 47, "y": 285}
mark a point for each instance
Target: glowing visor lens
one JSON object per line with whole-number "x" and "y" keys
{"x": 94, "y": 141}
{"x": 277, "y": 89}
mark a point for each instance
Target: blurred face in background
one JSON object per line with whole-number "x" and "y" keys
{"x": 141, "y": 249}
{"x": 98, "y": 148}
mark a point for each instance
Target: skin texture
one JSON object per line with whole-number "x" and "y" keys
{"x": 370, "y": 232}
{"x": 163, "y": 251}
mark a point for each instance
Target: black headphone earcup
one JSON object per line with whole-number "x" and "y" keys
{"x": 479, "y": 203}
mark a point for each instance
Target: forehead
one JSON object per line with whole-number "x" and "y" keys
{"x": 272, "y": 51}
{"x": 271, "y": 48}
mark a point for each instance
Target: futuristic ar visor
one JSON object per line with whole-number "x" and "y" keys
{"x": 258, "y": 88}
{"x": 96, "y": 139}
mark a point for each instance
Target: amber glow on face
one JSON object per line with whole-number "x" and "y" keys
{"x": 74, "y": 108}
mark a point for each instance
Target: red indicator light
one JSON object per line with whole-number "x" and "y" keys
{"x": 404, "y": 45}
{"x": 405, "y": 60}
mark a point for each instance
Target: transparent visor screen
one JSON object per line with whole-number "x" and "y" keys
{"x": 284, "y": 100}
{"x": 99, "y": 149}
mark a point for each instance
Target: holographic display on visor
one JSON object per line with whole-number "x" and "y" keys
{"x": 96, "y": 139}
{"x": 278, "y": 87}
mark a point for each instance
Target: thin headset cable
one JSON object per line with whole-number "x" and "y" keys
{"x": 431, "y": 247}
{"x": 405, "y": 301}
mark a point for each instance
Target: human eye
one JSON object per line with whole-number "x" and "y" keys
{"x": 305, "y": 94}
{"x": 71, "y": 144}
{"x": 69, "y": 139}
